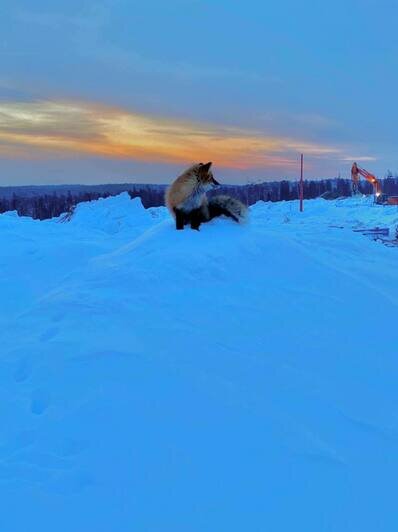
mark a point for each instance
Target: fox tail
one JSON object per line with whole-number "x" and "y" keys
{"x": 227, "y": 206}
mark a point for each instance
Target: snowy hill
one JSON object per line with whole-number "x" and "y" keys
{"x": 236, "y": 378}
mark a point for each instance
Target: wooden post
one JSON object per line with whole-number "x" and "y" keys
{"x": 301, "y": 184}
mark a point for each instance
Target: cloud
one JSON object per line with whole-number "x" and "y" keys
{"x": 357, "y": 158}
{"x": 69, "y": 128}
{"x": 85, "y": 32}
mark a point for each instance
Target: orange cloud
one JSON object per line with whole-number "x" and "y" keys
{"x": 61, "y": 127}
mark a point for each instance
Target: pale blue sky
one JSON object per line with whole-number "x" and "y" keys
{"x": 317, "y": 77}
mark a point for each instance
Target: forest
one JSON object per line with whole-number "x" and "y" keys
{"x": 43, "y": 202}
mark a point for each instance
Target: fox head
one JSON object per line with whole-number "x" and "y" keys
{"x": 205, "y": 176}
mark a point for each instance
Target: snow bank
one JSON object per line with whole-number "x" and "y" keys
{"x": 111, "y": 215}
{"x": 236, "y": 378}
{"x": 355, "y": 213}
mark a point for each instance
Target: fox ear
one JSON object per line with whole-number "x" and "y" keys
{"x": 205, "y": 167}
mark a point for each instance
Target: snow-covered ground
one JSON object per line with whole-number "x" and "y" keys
{"x": 240, "y": 378}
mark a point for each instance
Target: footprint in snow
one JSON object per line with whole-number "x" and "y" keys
{"x": 40, "y": 402}
{"x": 49, "y": 334}
{"x": 58, "y": 317}
{"x": 23, "y": 371}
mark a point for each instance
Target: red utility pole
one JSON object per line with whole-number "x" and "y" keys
{"x": 301, "y": 184}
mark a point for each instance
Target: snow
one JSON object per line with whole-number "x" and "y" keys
{"x": 117, "y": 214}
{"x": 236, "y": 378}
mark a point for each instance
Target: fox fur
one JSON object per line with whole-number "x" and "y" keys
{"x": 187, "y": 202}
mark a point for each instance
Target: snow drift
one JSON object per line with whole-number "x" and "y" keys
{"x": 236, "y": 378}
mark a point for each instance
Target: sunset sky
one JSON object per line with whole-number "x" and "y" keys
{"x": 121, "y": 90}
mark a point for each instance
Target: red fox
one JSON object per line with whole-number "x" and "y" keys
{"x": 187, "y": 202}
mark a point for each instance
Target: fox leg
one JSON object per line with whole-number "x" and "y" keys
{"x": 196, "y": 219}
{"x": 180, "y": 218}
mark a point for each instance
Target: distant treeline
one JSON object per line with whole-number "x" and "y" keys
{"x": 51, "y": 201}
